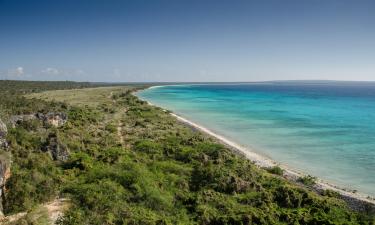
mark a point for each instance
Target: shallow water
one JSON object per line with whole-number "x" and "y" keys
{"x": 326, "y": 129}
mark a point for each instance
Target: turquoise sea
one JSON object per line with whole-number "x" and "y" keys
{"x": 325, "y": 129}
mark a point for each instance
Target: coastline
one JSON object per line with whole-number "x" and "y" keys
{"x": 355, "y": 200}
{"x": 263, "y": 162}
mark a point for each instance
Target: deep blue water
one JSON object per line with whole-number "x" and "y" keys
{"x": 326, "y": 129}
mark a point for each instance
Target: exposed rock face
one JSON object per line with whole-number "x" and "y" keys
{"x": 56, "y": 119}
{"x": 52, "y": 118}
{"x": 16, "y": 120}
{"x": 3, "y": 134}
{"x": 4, "y": 176}
{"x": 57, "y": 150}
{"x": 3, "y": 129}
{"x": 4, "y": 162}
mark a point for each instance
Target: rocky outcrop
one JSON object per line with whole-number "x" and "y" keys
{"x": 4, "y": 175}
{"x": 3, "y": 129}
{"x": 56, "y": 119}
{"x": 18, "y": 119}
{"x": 57, "y": 149}
{"x": 52, "y": 118}
{"x": 4, "y": 162}
{"x": 3, "y": 134}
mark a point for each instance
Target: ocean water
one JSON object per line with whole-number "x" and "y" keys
{"x": 323, "y": 129}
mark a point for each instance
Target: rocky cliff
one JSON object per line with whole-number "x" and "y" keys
{"x": 3, "y": 134}
{"x": 4, "y": 162}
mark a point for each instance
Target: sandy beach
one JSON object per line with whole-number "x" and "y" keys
{"x": 355, "y": 200}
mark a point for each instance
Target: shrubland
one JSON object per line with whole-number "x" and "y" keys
{"x": 159, "y": 172}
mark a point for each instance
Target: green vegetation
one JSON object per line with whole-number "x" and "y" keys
{"x": 307, "y": 180}
{"x": 330, "y": 193}
{"x": 276, "y": 170}
{"x": 132, "y": 163}
{"x": 36, "y": 216}
{"x": 83, "y": 97}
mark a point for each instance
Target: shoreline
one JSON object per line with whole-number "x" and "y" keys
{"x": 355, "y": 200}
{"x": 289, "y": 174}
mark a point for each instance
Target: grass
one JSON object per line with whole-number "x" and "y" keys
{"x": 91, "y": 97}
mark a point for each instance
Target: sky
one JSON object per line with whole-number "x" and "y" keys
{"x": 185, "y": 41}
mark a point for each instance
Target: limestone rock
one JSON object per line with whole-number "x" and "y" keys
{"x": 57, "y": 150}
{"x": 52, "y": 118}
{"x": 3, "y": 134}
{"x": 3, "y": 129}
{"x": 4, "y": 175}
{"x": 18, "y": 119}
{"x": 56, "y": 119}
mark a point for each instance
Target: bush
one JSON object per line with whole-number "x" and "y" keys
{"x": 275, "y": 170}
{"x": 34, "y": 180}
{"x": 331, "y": 193}
{"x": 111, "y": 128}
{"x": 307, "y": 180}
{"x": 148, "y": 146}
{"x": 80, "y": 160}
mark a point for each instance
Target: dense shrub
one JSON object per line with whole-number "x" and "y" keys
{"x": 307, "y": 180}
{"x": 34, "y": 180}
{"x": 275, "y": 170}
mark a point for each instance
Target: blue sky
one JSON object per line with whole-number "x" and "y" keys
{"x": 150, "y": 40}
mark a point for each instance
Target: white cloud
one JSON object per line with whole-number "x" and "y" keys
{"x": 16, "y": 72}
{"x": 19, "y": 71}
{"x": 51, "y": 71}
